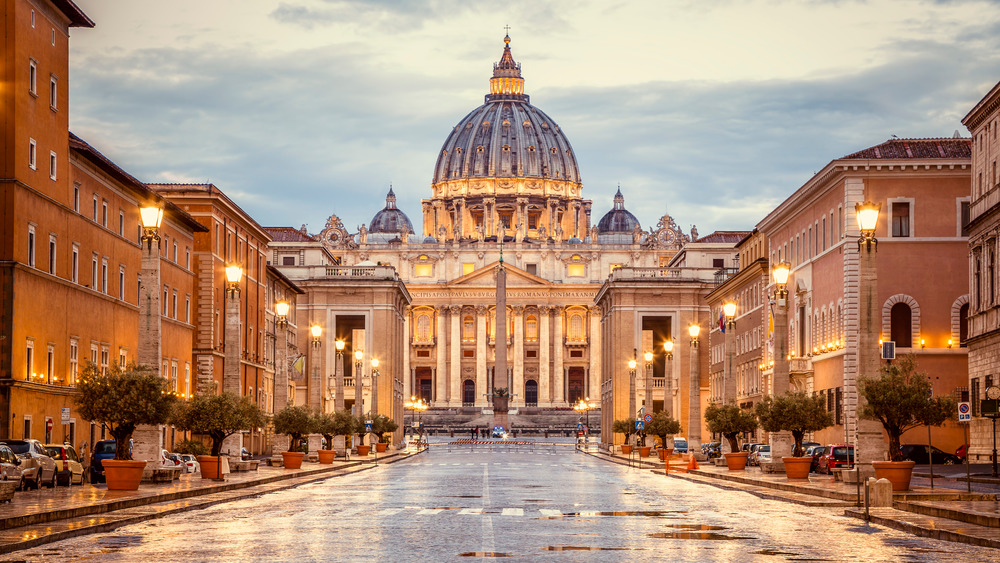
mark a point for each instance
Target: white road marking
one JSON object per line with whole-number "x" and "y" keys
{"x": 390, "y": 511}
{"x": 471, "y": 511}
{"x": 550, "y": 512}
{"x": 430, "y": 511}
{"x": 512, "y": 512}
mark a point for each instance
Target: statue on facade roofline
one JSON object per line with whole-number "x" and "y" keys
{"x": 362, "y": 234}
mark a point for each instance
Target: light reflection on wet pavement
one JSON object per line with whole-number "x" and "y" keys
{"x": 545, "y": 505}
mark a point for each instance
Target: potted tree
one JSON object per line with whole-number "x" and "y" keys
{"x": 219, "y": 417}
{"x": 383, "y": 426}
{"x": 797, "y": 413}
{"x": 345, "y": 425}
{"x": 731, "y": 421}
{"x": 900, "y": 398}
{"x": 296, "y": 422}
{"x": 326, "y": 424}
{"x": 359, "y": 425}
{"x": 121, "y": 399}
{"x": 664, "y": 427}
{"x": 626, "y": 427}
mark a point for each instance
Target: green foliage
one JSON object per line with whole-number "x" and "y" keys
{"x": 900, "y": 398}
{"x": 347, "y": 424}
{"x": 121, "y": 399}
{"x": 730, "y": 421}
{"x": 663, "y": 425}
{"x": 797, "y": 413}
{"x": 626, "y": 427}
{"x": 218, "y": 416}
{"x": 296, "y": 422}
{"x": 383, "y": 426}
{"x": 325, "y": 424}
{"x": 193, "y": 447}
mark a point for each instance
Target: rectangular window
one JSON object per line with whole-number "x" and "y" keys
{"x": 76, "y": 197}
{"x": 576, "y": 270}
{"x": 27, "y": 418}
{"x": 468, "y": 268}
{"x": 31, "y": 246}
{"x": 187, "y": 379}
{"x": 32, "y": 154}
{"x": 52, "y": 165}
{"x": 963, "y": 218}
{"x": 32, "y": 77}
{"x": 93, "y": 353}
{"x": 93, "y": 215}
{"x": 121, "y": 223}
{"x": 423, "y": 270}
{"x": 52, "y": 254}
{"x": 121, "y": 282}
{"x": 173, "y": 304}
{"x": 104, "y": 276}
{"x": 74, "y": 360}
{"x": 468, "y": 353}
{"x": 104, "y": 213}
{"x": 105, "y": 358}
{"x": 50, "y": 368}
{"x": 29, "y": 360}
{"x": 187, "y": 258}
{"x": 175, "y": 252}
{"x": 122, "y": 357}
{"x": 824, "y": 234}
{"x": 53, "y": 92}
{"x": 531, "y": 353}
{"x": 187, "y": 309}
{"x": 75, "y": 266}
{"x": 287, "y": 260}
{"x": 900, "y": 218}
{"x": 166, "y": 292}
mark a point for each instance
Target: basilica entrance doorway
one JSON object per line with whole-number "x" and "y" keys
{"x": 423, "y": 384}
{"x": 531, "y": 393}
{"x": 469, "y": 393}
{"x": 575, "y": 385}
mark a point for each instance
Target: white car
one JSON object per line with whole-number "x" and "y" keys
{"x": 191, "y": 462}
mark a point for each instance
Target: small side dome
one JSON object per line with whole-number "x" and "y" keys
{"x": 619, "y": 219}
{"x": 574, "y": 240}
{"x": 430, "y": 240}
{"x": 389, "y": 223}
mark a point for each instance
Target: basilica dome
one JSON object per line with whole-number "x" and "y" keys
{"x": 506, "y": 137}
{"x": 619, "y": 219}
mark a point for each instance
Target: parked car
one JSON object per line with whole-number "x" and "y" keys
{"x": 807, "y": 445}
{"x": 918, "y": 453}
{"x": 178, "y": 461}
{"x": 962, "y": 451}
{"x": 814, "y": 452}
{"x": 168, "y": 459}
{"x": 838, "y": 456}
{"x": 37, "y": 467}
{"x": 10, "y": 466}
{"x": 762, "y": 454}
{"x": 191, "y": 462}
{"x": 712, "y": 449}
{"x": 680, "y": 445}
{"x": 69, "y": 470}
{"x": 104, "y": 449}
{"x": 750, "y": 449}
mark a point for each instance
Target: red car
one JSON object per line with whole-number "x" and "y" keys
{"x": 835, "y": 457}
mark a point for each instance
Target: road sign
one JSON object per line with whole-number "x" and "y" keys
{"x": 964, "y": 412}
{"x": 65, "y": 415}
{"x": 888, "y": 350}
{"x": 368, "y": 427}
{"x": 639, "y": 425}
{"x": 579, "y": 426}
{"x": 648, "y": 418}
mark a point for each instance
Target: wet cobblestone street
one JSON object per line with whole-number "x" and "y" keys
{"x": 546, "y": 504}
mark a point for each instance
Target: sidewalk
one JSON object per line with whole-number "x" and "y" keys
{"x": 38, "y": 517}
{"x": 942, "y": 513}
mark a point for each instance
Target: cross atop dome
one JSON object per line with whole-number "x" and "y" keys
{"x": 507, "y": 83}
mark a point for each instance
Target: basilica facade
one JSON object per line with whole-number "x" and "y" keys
{"x": 506, "y": 185}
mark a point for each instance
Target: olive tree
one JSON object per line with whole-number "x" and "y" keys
{"x": 795, "y": 412}
{"x": 730, "y": 421}
{"x": 663, "y": 425}
{"x": 218, "y": 416}
{"x": 296, "y": 422}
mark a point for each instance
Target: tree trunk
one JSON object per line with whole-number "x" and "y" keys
{"x": 894, "y": 454}
{"x": 123, "y": 437}
{"x": 734, "y": 445}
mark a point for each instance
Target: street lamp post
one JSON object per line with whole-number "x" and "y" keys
{"x": 868, "y": 433}
{"x": 148, "y": 440}
{"x": 780, "y": 441}
{"x": 231, "y": 366}
{"x": 375, "y": 375}
{"x": 339, "y": 376}
{"x": 585, "y": 406}
{"x": 632, "y": 363}
{"x": 668, "y": 374}
{"x": 729, "y": 382}
{"x": 315, "y": 389}
{"x": 694, "y": 394}
{"x": 280, "y": 392}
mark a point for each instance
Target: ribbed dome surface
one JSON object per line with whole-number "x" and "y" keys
{"x": 506, "y": 136}
{"x": 619, "y": 219}
{"x": 390, "y": 219}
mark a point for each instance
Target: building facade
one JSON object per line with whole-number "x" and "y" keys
{"x": 984, "y": 245}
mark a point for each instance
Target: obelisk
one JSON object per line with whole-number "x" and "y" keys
{"x": 501, "y": 387}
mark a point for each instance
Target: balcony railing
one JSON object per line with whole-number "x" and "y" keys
{"x": 723, "y": 274}
{"x": 348, "y": 382}
{"x": 627, "y": 273}
{"x": 365, "y": 272}
{"x": 659, "y": 382}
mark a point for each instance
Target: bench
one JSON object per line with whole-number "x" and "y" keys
{"x": 7, "y": 489}
{"x": 276, "y": 461}
{"x": 249, "y": 465}
{"x": 161, "y": 474}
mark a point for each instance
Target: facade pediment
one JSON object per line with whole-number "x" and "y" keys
{"x": 487, "y": 276}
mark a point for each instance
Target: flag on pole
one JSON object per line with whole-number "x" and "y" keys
{"x": 722, "y": 320}
{"x": 299, "y": 364}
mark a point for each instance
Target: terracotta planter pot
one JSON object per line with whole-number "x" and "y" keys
{"x": 736, "y": 461}
{"x": 326, "y": 456}
{"x": 123, "y": 474}
{"x": 381, "y": 447}
{"x": 292, "y": 460}
{"x": 797, "y": 467}
{"x": 211, "y": 466}
{"x": 626, "y": 449}
{"x": 665, "y": 453}
{"x": 897, "y": 472}
{"x": 364, "y": 450}
{"x": 644, "y": 451}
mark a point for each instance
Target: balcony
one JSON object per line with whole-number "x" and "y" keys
{"x": 362, "y": 272}
{"x": 424, "y": 342}
{"x": 348, "y": 382}
{"x": 723, "y": 274}
{"x": 576, "y": 342}
{"x": 659, "y": 382}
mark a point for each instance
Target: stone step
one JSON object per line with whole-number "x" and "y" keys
{"x": 981, "y": 512}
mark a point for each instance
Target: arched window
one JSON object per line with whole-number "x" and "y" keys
{"x": 468, "y": 328}
{"x": 424, "y": 328}
{"x": 531, "y": 328}
{"x": 576, "y": 327}
{"x": 899, "y": 320}
{"x": 963, "y": 325}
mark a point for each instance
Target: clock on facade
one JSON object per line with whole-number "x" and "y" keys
{"x": 993, "y": 392}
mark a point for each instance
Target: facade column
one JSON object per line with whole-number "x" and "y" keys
{"x": 231, "y": 364}
{"x": 455, "y": 346}
{"x": 594, "y": 347}
{"x": 148, "y": 439}
{"x": 557, "y": 357}
{"x": 440, "y": 380}
{"x": 481, "y": 348}
{"x": 544, "y": 397}
{"x": 517, "y": 387}
{"x": 407, "y": 339}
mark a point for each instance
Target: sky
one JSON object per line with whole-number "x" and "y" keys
{"x": 712, "y": 111}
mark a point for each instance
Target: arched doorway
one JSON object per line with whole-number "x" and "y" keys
{"x": 576, "y": 385}
{"x": 531, "y": 393}
{"x": 469, "y": 393}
